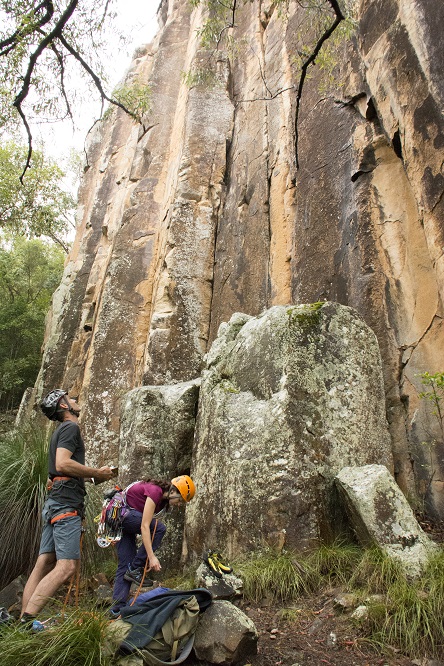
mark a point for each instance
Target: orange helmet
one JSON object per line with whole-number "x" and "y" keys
{"x": 185, "y": 485}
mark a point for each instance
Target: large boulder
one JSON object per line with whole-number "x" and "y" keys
{"x": 225, "y": 635}
{"x": 380, "y": 515}
{"x": 157, "y": 430}
{"x": 156, "y": 440}
{"x": 288, "y": 398}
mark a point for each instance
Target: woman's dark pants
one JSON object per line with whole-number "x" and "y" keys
{"x": 128, "y": 554}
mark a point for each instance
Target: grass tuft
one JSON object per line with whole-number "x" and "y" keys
{"x": 23, "y": 475}
{"x": 335, "y": 563}
{"x": 78, "y": 641}
{"x": 276, "y": 576}
{"x": 375, "y": 572}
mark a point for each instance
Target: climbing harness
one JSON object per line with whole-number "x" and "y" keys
{"x": 50, "y": 482}
{"x": 109, "y": 522}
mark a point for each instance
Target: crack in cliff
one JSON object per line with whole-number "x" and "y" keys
{"x": 415, "y": 344}
{"x": 262, "y": 70}
{"x": 440, "y": 198}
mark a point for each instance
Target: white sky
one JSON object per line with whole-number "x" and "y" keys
{"x": 137, "y": 18}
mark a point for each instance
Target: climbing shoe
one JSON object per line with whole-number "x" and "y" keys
{"x": 216, "y": 563}
{"x": 136, "y": 576}
{"x": 224, "y": 567}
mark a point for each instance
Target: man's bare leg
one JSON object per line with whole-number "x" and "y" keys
{"x": 45, "y": 563}
{"x": 48, "y": 585}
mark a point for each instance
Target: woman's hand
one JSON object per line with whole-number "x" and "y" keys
{"x": 154, "y": 563}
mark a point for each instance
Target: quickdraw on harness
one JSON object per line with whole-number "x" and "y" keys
{"x": 114, "y": 509}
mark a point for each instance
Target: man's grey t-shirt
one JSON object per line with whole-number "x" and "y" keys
{"x": 69, "y": 493}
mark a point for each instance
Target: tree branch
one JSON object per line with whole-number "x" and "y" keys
{"x": 309, "y": 61}
{"x": 13, "y": 39}
{"x": 94, "y": 76}
{"x": 21, "y": 96}
{"x": 62, "y": 79}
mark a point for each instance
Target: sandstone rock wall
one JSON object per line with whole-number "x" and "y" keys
{"x": 201, "y": 212}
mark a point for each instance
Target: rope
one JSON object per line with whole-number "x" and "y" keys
{"x": 145, "y": 570}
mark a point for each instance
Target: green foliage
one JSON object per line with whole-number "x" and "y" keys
{"x": 434, "y": 396}
{"x": 330, "y": 56}
{"x": 39, "y": 207}
{"x": 200, "y": 77}
{"x": 411, "y": 618}
{"x": 307, "y": 316}
{"x": 40, "y": 46}
{"x": 23, "y": 475}
{"x": 220, "y": 15}
{"x": 79, "y": 640}
{"x": 136, "y": 97}
{"x": 30, "y": 270}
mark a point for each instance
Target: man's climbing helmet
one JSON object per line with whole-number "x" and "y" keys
{"x": 50, "y": 403}
{"x": 185, "y": 485}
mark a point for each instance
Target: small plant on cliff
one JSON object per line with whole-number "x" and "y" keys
{"x": 307, "y": 315}
{"x": 434, "y": 395}
{"x": 136, "y": 97}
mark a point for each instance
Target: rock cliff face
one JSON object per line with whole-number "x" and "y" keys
{"x": 201, "y": 212}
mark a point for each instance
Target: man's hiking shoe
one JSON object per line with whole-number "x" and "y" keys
{"x": 113, "y": 614}
{"x": 216, "y": 563}
{"x": 136, "y": 576}
{"x": 37, "y": 627}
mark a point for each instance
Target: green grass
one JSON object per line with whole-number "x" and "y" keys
{"x": 335, "y": 563}
{"x": 276, "y": 576}
{"x": 413, "y": 617}
{"x": 77, "y": 641}
{"x": 23, "y": 474}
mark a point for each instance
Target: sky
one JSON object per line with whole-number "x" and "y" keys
{"x": 138, "y": 19}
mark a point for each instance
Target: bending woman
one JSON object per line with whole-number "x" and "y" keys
{"x": 145, "y": 500}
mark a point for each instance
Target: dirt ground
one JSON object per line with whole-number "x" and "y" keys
{"x": 315, "y": 634}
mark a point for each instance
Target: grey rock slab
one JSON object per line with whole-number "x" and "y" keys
{"x": 227, "y": 587}
{"x": 380, "y": 515}
{"x": 225, "y": 635}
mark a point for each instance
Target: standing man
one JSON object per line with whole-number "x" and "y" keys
{"x": 64, "y": 506}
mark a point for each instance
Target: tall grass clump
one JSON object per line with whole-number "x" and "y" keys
{"x": 23, "y": 475}
{"x": 410, "y": 615}
{"x": 376, "y": 572}
{"x": 78, "y": 641}
{"x": 335, "y": 563}
{"x": 276, "y": 576}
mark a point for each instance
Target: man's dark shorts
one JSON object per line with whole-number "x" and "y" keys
{"x": 63, "y": 536}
